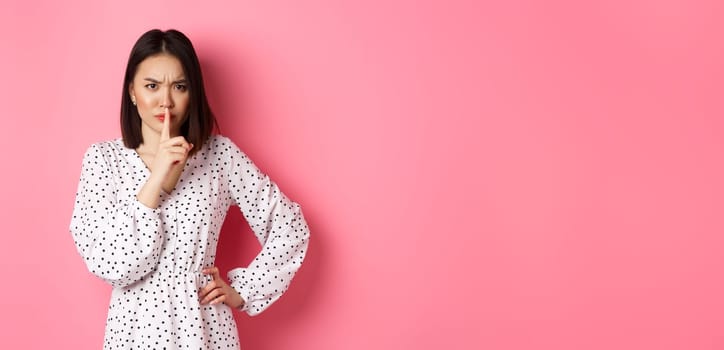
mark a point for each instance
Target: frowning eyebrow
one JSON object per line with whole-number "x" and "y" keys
{"x": 158, "y": 82}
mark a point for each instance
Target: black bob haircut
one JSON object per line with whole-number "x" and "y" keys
{"x": 200, "y": 122}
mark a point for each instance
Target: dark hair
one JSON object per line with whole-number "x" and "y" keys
{"x": 200, "y": 122}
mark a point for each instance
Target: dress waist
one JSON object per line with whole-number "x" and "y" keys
{"x": 173, "y": 277}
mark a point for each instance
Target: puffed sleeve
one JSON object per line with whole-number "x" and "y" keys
{"x": 120, "y": 241}
{"x": 279, "y": 226}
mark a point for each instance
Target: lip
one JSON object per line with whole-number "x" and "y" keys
{"x": 162, "y": 116}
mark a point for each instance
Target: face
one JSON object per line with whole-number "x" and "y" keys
{"x": 160, "y": 83}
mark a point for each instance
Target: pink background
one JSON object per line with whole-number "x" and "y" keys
{"x": 476, "y": 174}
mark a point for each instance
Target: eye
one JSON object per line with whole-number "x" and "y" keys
{"x": 181, "y": 87}
{"x": 151, "y": 86}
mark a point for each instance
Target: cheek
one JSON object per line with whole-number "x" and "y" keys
{"x": 182, "y": 102}
{"x": 146, "y": 100}
{"x": 183, "y": 99}
{"x": 146, "y": 106}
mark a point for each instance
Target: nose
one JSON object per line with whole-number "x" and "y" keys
{"x": 167, "y": 101}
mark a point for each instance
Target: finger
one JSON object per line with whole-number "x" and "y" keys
{"x": 212, "y": 295}
{"x": 177, "y": 141}
{"x": 213, "y": 271}
{"x": 176, "y": 150}
{"x": 219, "y": 300}
{"x": 208, "y": 288}
{"x": 209, "y": 296}
{"x": 166, "y": 131}
{"x": 176, "y": 158}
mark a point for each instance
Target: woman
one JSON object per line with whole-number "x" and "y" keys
{"x": 150, "y": 205}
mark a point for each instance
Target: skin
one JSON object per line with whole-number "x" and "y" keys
{"x": 159, "y": 89}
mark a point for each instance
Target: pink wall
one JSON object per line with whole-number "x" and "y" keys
{"x": 477, "y": 174}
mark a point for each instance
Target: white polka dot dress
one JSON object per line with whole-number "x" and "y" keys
{"x": 153, "y": 257}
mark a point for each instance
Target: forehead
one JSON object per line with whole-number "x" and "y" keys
{"x": 160, "y": 66}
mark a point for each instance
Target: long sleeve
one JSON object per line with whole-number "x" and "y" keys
{"x": 120, "y": 241}
{"x": 279, "y": 226}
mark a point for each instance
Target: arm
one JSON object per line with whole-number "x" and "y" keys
{"x": 279, "y": 226}
{"x": 120, "y": 242}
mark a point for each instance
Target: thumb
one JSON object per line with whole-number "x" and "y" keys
{"x": 213, "y": 271}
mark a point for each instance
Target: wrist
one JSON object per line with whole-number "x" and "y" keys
{"x": 241, "y": 307}
{"x": 240, "y": 303}
{"x": 156, "y": 179}
{"x": 150, "y": 192}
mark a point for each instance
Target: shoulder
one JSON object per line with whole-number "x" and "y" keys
{"x": 104, "y": 150}
{"x": 217, "y": 141}
{"x": 224, "y": 146}
{"x": 229, "y": 155}
{"x": 107, "y": 146}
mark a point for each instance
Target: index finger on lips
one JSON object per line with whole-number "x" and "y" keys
{"x": 166, "y": 131}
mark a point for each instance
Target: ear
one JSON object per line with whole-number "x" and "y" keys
{"x": 130, "y": 90}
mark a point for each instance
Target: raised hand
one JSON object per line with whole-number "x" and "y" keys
{"x": 171, "y": 151}
{"x": 165, "y": 167}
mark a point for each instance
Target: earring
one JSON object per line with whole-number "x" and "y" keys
{"x": 133, "y": 100}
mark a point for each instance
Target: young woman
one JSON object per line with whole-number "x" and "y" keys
{"x": 150, "y": 205}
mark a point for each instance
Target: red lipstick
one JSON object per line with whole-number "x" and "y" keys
{"x": 162, "y": 116}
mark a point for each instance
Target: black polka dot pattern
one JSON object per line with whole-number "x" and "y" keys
{"x": 153, "y": 257}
